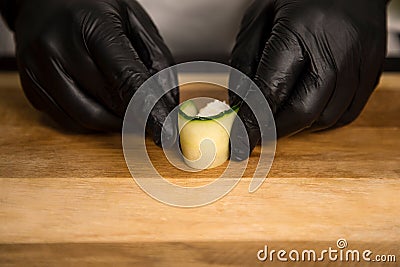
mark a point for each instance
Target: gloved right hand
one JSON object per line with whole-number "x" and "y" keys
{"x": 315, "y": 61}
{"x": 81, "y": 61}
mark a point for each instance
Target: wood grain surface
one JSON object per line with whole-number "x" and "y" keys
{"x": 68, "y": 199}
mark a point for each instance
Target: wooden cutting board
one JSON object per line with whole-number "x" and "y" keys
{"x": 68, "y": 199}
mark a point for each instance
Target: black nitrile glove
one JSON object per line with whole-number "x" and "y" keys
{"x": 81, "y": 61}
{"x": 316, "y": 62}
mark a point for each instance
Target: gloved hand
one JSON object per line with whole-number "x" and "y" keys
{"x": 81, "y": 61}
{"x": 316, "y": 62}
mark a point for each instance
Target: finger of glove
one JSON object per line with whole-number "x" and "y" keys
{"x": 153, "y": 114}
{"x": 52, "y": 90}
{"x": 244, "y": 144}
{"x": 371, "y": 68}
{"x": 306, "y": 103}
{"x": 113, "y": 52}
{"x": 41, "y": 100}
{"x": 151, "y": 48}
{"x": 343, "y": 55}
{"x": 164, "y": 132}
{"x": 146, "y": 38}
{"x": 73, "y": 55}
{"x": 154, "y": 53}
{"x": 280, "y": 67}
{"x": 359, "y": 101}
{"x": 255, "y": 29}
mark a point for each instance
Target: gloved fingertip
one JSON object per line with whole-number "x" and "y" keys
{"x": 239, "y": 155}
{"x": 169, "y": 140}
{"x": 165, "y": 136}
{"x": 240, "y": 149}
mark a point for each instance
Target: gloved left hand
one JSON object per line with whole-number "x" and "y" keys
{"x": 315, "y": 61}
{"x": 81, "y": 61}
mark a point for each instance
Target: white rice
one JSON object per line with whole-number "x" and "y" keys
{"x": 213, "y": 108}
